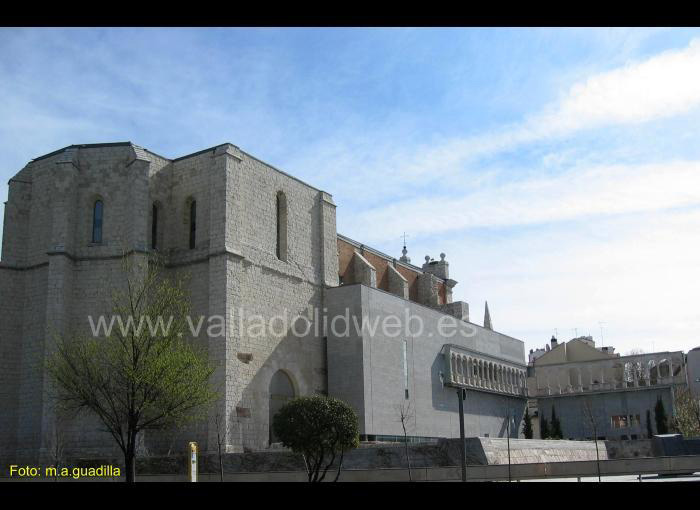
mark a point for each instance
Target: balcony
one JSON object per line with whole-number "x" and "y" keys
{"x": 606, "y": 375}
{"x": 478, "y": 371}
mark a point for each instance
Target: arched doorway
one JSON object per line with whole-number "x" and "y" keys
{"x": 281, "y": 392}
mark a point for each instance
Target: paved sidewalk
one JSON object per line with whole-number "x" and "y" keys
{"x": 625, "y": 478}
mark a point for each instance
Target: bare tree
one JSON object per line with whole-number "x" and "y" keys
{"x": 56, "y": 439}
{"x": 405, "y": 415}
{"x": 634, "y": 369}
{"x": 222, "y": 431}
{"x": 592, "y": 421}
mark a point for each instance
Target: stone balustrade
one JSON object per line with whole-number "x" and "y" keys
{"x": 468, "y": 369}
{"x": 626, "y": 372}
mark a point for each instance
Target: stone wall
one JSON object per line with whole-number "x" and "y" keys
{"x": 52, "y": 277}
{"x": 569, "y": 410}
{"x": 366, "y": 368}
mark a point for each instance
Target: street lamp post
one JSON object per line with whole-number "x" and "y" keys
{"x": 509, "y": 416}
{"x": 461, "y": 397}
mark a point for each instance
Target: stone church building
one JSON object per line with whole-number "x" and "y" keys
{"x": 252, "y": 241}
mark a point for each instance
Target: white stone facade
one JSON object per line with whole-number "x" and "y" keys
{"x": 265, "y": 245}
{"x": 52, "y": 276}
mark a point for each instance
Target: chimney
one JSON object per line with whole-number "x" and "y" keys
{"x": 440, "y": 268}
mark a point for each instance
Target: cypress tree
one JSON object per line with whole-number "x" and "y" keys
{"x": 556, "y": 426}
{"x": 649, "y": 431}
{"x": 660, "y": 416}
{"x": 527, "y": 425}
{"x": 544, "y": 428}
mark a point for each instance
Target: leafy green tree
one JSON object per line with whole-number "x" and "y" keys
{"x": 136, "y": 378}
{"x": 556, "y": 426}
{"x": 319, "y": 428}
{"x": 687, "y": 417}
{"x": 660, "y": 417}
{"x": 544, "y": 428}
{"x": 527, "y": 425}
{"x": 650, "y": 432}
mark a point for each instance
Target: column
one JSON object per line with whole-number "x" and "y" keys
{"x": 580, "y": 384}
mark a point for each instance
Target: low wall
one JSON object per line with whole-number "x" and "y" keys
{"x": 535, "y": 451}
{"x": 628, "y": 449}
{"x": 497, "y": 472}
{"x": 444, "y": 453}
{"x": 674, "y": 444}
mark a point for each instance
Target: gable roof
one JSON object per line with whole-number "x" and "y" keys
{"x": 571, "y": 352}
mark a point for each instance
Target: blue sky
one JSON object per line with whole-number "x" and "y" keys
{"x": 558, "y": 169}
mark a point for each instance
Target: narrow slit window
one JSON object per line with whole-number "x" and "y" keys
{"x": 97, "y": 216}
{"x": 281, "y": 220}
{"x": 405, "y": 371}
{"x": 193, "y": 224}
{"x": 154, "y": 228}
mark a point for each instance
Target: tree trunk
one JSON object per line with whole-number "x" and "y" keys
{"x": 340, "y": 465}
{"x": 221, "y": 464}
{"x": 408, "y": 456}
{"x": 130, "y": 458}
{"x": 130, "y": 464}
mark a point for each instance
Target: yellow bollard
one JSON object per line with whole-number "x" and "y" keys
{"x": 193, "y": 461}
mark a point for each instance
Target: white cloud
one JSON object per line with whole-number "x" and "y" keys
{"x": 662, "y": 86}
{"x": 578, "y": 193}
{"x": 637, "y": 274}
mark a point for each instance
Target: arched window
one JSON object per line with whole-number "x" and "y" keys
{"x": 193, "y": 224}
{"x": 154, "y": 226}
{"x": 281, "y": 392}
{"x": 281, "y": 226}
{"x": 97, "y": 215}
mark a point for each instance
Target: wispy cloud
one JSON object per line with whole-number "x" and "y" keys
{"x": 635, "y": 273}
{"x": 576, "y": 194}
{"x": 553, "y": 166}
{"x": 662, "y": 86}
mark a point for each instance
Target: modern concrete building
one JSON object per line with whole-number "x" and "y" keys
{"x": 252, "y": 241}
{"x": 574, "y": 376}
{"x": 431, "y": 350}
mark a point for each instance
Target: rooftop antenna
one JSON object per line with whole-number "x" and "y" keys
{"x": 404, "y": 239}
{"x": 602, "y": 342}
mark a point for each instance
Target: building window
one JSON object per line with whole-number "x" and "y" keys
{"x": 97, "y": 215}
{"x": 619, "y": 422}
{"x": 281, "y": 220}
{"x": 193, "y": 224}
{"x": 154, "y": 227}
{"x": 624, "y": 421}
{"x": 405, "y": 371}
